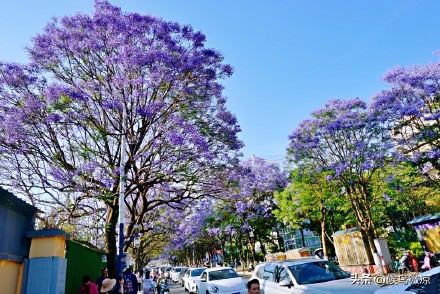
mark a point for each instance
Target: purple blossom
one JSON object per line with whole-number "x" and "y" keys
{"x": 426, "y": 168}
{"x": 386, "y": 197}
{"x": 151, "y": 110}
{"x": 213, "y": 231}
{"x": 407, "y": 109}
{"x": 175, "y": 137}
{"x": 241, "y": 207}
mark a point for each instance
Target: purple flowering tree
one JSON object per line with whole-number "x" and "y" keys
{"x": 410, "y": 109}
{"x": 190, "y": 238}
{"x": 95, "y": 80}
{"x": 168, "y": 232}
{"x": 241, "y": 216}
{"x": 251, "y": 198}
{"x": 347, "y": 140}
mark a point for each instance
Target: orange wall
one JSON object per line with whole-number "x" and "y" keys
{"x": 11, "y": 274}
{"x": 47, "y": 246}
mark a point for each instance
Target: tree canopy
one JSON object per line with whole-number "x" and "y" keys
{"x": 95, "y": 80}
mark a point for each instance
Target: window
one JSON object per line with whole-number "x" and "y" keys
{"x": 317, "y": 272}
{"x": 281, "y": 274}
{"x": 222, "y": 274}
{"x": 203, "y": 276}
{"x": 268, "y": 273}
{"x": 197, "y": 272}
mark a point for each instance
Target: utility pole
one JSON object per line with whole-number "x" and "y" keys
{"x": 121, "y": 195}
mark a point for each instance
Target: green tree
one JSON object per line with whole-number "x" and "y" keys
{"x": 313, "y": 197}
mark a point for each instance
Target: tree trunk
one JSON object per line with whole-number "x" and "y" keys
{"x": 252, "y": 245}
{"x": 254, "y": 255}
{"x": 302, "y": 236}
{"x": 241, "y": 259}
{"x": 240, "y": 252}
{"x": 230, "y": 249}
{"x": 263, "y": 248}
{"x": 323, "y": 238}
{"x": 189, "y": 257}
{"x": 365, "y": 222}
{"x": 371, "y": 228}
{"x": 223, "y": 244}
{"x": 110, "y": 239}
{"x": 376, "y": 257}
{"x": 280, "y": 241}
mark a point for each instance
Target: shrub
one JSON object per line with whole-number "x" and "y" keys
{"x": 416, "y": 249}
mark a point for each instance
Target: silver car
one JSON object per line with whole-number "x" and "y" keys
{"x": 307, "y": 275}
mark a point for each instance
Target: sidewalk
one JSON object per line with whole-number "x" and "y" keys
{"x": 245, "y": 274}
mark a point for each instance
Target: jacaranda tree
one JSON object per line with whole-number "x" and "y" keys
{"x": 94, "y": 81}
{"x": 411, "y": 110}
{"x": 345, "y": 138}
{"x": 251, "y": 199}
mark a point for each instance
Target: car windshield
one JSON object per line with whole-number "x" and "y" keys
{"x": 177, "y": 269}
{"x": 317, "y": 272}
{"x": 168, "y": 269}
{"x": 222, "y": 274}
{"x": 197, "y": 272}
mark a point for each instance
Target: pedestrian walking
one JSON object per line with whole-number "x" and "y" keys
{"x": 139, "y": 280}
{"x": 130, "y": 282}
{"x": 88, "y": 287}
{"x": 148, "y": 285}
{"x": 412, "y": 260}
{"x": 108, "y": 286}
{"x": 104, "y": 274}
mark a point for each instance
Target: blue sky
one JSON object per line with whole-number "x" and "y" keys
{"x": 290, "y": 57}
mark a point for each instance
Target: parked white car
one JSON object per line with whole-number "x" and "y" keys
{"x": 167, "y": 271}
{"x": 221, "y": 280}
{"x": 191, "y": 277}
{"x": 174, "y": 274}
{"x": 307, "y": 276}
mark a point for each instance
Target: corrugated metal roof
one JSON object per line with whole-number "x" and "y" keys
{"x": 425, "y": 218}
{"x": 13, "y": 202}
{"x": 348, "y": 231}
